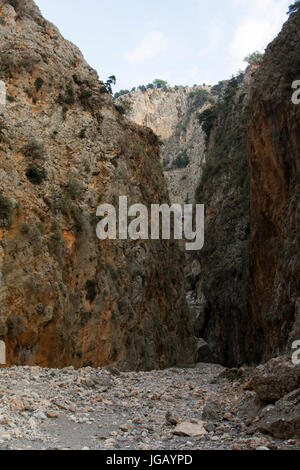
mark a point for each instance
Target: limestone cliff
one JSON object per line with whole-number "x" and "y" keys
{"x": 65, "y": 297}
{"x": 248, "y": 274}
{"x": 172, "y": 113}
{"x": 221, "y": 270}
{"x": 274, "y": 162}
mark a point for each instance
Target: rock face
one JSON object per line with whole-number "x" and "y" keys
{"x": 249, "y": 276}
{"x": 172, "y": 113}
{"x": 271, "y": 404}
{"x": 274, "y": 161}
{"x": 221, "y": 280}
{"x": 65, "y": 297}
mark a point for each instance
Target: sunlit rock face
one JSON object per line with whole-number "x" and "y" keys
{"x": 67, "y": 298}
{"x": 172, "y": 113}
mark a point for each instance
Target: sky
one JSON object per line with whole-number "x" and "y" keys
{"x": 185, "y": 42}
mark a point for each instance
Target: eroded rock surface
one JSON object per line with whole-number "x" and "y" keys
{"x": 65, "y": 297}
{"x": 172, "y": 113}
{"x": 271, "y": 402}
{"x": 274, "y": 161}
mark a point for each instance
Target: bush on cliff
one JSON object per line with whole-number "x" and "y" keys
{"x": 293, "y": 8}
{"x": 6, "y": 210}
{"x": 36, "y": 174}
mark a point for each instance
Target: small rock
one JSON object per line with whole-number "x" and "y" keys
{"x": 190, "y": 429}
{"x": 171, "y": 419}
{"x": 52, "y": 414}
{"x": 210, "y": 427}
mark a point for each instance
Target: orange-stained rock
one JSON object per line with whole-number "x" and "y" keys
{"x": 65, "y": 297}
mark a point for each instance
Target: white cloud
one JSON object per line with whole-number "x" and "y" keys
{"x": 215, "y": 32}
{"x": 260, "y": 23}
{"x": 154, "y": 43}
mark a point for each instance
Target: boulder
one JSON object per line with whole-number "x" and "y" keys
{"x": 190, "y": 429}
{"x": 275, "y": 379}
{"x": 281, "y": 420}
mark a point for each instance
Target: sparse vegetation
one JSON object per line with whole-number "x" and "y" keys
{"x": 8, "y": 62}
{"x": 293, "y": 8}
{"x": 6, "y": 211}
{"x": 74, "y": 188}
{"x": 107, "y": 86}
{"x": 181, "y": 161}
{"x": 38, "y": 83}
{"x": 56, "y": 242}
{"x": 255, "y": 58}
{"x": 91, "y": 290}
{"x": 121, "y": 93}
{"x": 207, "y": 119}
{"x": 155, "y": 85}
{"x": 13, "y": 3}
{"x": 68, "y": 98}
{"x": 82, "y": 133}
{"x": 36, "y": 174}
{"x": 84, "y": 95}
{"x": 166, "y": 163}
{"x": 200, "y": 97}
{"x": 34, "y": 150}
{"x": 216, "y": 90}
{"x": 25, "y": 228}
{"x": 158, "y": 83}
{"x": 15, "y": 325}
{"x": 123, "y": 107}
{"x": 10, "y": 98}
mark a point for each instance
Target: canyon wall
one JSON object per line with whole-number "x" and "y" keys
{"x": 172, "y": 113}
{"x": 273, "y": 149}
{"x": 65, "y": 297}
{"x": 248, "y": 275}
{"x": 222, "y": 274}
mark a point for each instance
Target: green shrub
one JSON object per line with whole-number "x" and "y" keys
{"x": 35, "y": 236}
{"x": 74, "y": 188}
{"x": 36, "y": 174}
{"x": 25, "y": 228}
{"x": 199, "y": 92}
{"x": 15, "y": 325}
{"x": 181, "y": 161}
{"x": 16, "y": 4}
{"x": 121, "y": 93}
{"x": 10, "y": 98}
{"x": 56, "y": 242}
{"x": 6, "y": 211}
{"x": 166, "y": 163}
{"x": 255, "y": 58}
{"x": 13, "y": 3}
{"x": 294, "y": 8}
{"x": 158, "y": 83}
{"x": 124, "y": 107}
{"x": 91, "y": 290}
{"x": 217, "y": 89}
{"x": 207, "y": 118}
{"x": 8, "y": 63}
{"x": 82, "y": 133}
{"x": 38, "y": 83}
{"x": 200, "y": 97}
{"x": 84, "y": 95}
{"x": 107, "y": 86}
{"x": 68, "y": 98}
{"x": 34, "y": 150}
